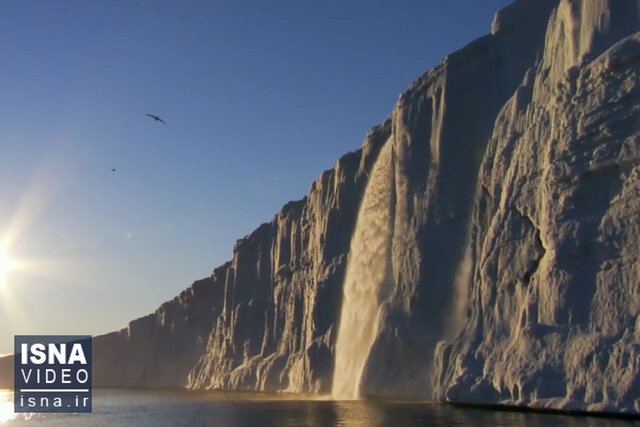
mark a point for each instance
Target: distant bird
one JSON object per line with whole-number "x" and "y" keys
{"x": 157, "y": 119}
{"x": 113, "y": 169}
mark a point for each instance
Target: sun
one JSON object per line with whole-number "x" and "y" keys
{"x": 6, "y": 264}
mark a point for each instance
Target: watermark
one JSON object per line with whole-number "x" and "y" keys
{"x": 52, "y": 373}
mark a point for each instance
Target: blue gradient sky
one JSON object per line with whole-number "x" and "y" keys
{"x": 259, "y": 98}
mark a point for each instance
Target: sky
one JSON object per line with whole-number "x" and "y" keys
{"x": 259, "y": 98}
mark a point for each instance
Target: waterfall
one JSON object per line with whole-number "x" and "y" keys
{"x": 367, "y": 281}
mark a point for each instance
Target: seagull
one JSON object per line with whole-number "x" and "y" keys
{"x": 156, "y": 118}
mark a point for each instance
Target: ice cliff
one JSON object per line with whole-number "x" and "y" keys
{"x": 486, "y": 239}
{"x": 552, "y": 316}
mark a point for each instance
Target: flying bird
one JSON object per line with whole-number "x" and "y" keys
{"x": 157, "y": 119}
{"x": 113, "y": 169}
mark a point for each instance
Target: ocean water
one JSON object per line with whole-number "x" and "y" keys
{"x": 144, "y": 408}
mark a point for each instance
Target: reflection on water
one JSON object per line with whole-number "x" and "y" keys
{"x": 126, "y": 407}
{"x": 397, "y": 414}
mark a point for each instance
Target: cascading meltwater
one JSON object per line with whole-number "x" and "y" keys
{"x": 368, "y": 278}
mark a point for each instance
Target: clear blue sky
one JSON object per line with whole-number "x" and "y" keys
{"x": 259, "y": 98}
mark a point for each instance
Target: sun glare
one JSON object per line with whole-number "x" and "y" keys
{"x": 6, "y": 264}
{"x": 6, "y": 407}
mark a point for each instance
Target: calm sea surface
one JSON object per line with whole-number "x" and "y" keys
{"x": 118, "y": 407}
